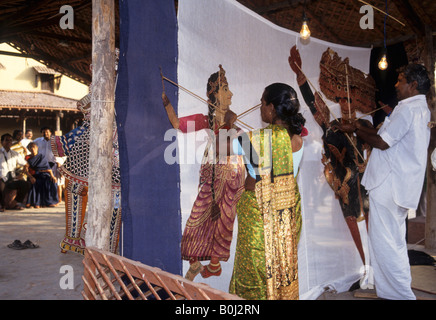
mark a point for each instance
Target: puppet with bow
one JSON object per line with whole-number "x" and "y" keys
{"x": 344, "y": 156}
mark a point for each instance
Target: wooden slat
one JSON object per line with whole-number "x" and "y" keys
{"x": 120, "y": 281}
{"x": 156, "y": 283}
{"x": 104, "y": 276}
{"x": 149, "y": 285}
{"x": 94, "y": 279}
{"x": 88, "y": 289}
{"x": 133, "y": 281}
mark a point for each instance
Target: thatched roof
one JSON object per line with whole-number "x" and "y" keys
{"x": 33, "y": 27}
{"x": 337, "y": 21}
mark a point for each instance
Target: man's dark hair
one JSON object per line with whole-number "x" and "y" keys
{"x": 46, "y": 128}
{"x": 417, "y": 72}
{"x": 16, "y": 132}
{"x": 5, "y": 135}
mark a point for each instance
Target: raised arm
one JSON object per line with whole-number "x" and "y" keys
{"x": 315, "y": 103}
{"x": 172, "y": 116}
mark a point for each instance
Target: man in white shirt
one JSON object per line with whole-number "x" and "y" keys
{"x": 394, "y": 178}
{"x": 28, "y": 138}
{"x": 10, "y": 180}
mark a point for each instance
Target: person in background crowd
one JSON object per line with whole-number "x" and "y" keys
{"x": 28, "y": 138}
{"x": 17, "y": 143}
{"x": 44, "y": 148}
{"x": 13, "y": 187}
{"x": 44, "y": 191}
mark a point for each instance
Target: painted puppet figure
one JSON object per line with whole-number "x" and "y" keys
{"x": 209, "y": 230}
{"x": 345, "y": 156}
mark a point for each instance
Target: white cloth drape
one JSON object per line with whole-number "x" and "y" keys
{"x": 254, "y": 53}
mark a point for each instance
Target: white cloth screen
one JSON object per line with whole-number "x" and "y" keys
{"x": 254, "y": 53}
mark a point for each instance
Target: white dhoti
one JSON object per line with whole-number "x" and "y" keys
{"x": 387, "y": 245}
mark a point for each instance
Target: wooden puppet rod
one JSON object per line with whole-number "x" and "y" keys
{"x": 371, "y": 112}
{"x": 187, "y": 91}
{"x": 346, "y": 134}
{"x": 249, "y": 110}
{"x": 385, "y": 13}
{"x": 203, "y": 100}
{"x": 348, "y": 92}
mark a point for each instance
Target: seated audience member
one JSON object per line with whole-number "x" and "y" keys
{"x": 17, "y": 144}
{"x": 13, "y": 187}
{"x": 43, "y": 192}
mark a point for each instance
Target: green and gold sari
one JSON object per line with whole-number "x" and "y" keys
{"x": 269, "y": 223}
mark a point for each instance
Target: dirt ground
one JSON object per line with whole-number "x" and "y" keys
{"x": 36, "y": 274}
{"x": 43, "y": 273}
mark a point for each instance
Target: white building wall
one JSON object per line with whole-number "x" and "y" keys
{"x": 19, "y": 75}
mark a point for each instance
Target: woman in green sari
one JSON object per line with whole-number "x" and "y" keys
{"x": 269, "y": 211}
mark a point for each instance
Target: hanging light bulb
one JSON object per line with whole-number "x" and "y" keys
{"x": 305, "y": 32}
{"x": 383, "y": 63}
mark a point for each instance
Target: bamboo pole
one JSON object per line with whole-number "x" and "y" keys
{"x": 203, "y": 100}
{"x": 385, "y": 13}
{"x": 249, "y": 110}
{"x": 371, "y": 112}
{"x": 102, "y": 119}
{"x": 346, "y": 134}
{"x": 348, "y": 92}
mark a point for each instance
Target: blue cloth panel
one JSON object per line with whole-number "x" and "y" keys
{"x": 150, "y": 187}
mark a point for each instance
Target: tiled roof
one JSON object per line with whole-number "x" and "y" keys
{"x": 35, "y": 100}
{"x": 45, "y": 70}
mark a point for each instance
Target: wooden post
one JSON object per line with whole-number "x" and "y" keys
{"x": 102, "y": 119}
{"x": 58, "y": 131}
{"x": 24, "y": 127}
{"x": 430, "y": 223}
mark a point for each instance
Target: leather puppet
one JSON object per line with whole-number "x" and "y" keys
{"x": 344, "y": 156}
